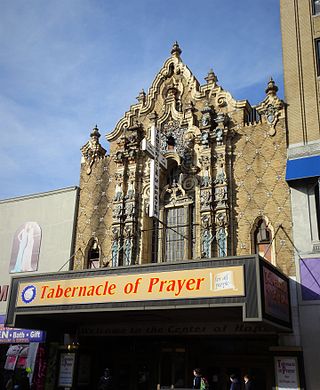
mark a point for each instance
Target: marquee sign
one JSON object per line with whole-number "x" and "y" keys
{"x": 185, "y": 284}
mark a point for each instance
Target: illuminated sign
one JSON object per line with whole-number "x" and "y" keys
{"x": 192, "y": 283}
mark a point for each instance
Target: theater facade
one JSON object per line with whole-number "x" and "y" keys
{"x": 182, "y": 250}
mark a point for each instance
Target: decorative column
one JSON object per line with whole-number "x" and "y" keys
{"x": 206, "y": 217}
{"x": 221, "y": 187}
{"x": 131, "y": 200}
{"x": 118, "y": 204}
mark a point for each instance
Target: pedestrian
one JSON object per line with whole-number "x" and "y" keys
{"x": 235, "y": 384}
{"x": 199, "y": 381}
{"x": 248, "y": 382}
{"x": 197, "y": 378}
{"x": 105, "y": 381}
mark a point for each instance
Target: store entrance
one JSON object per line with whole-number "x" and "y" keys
{"x": 144, "y": 363}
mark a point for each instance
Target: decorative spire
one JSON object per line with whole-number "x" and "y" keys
{"x": 141, "y": 97}
{"x": 271, "y": 89}
{"x": 211, "y": 78}
{"x": 92, "y": 150}
{"x": 95, "y": 133}
{"x": 176, "y": 51}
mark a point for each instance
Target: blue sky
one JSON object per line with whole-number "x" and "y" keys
{"x": 67, "y": 65}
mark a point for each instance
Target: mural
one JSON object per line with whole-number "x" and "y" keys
{"x": 25, "y": 248}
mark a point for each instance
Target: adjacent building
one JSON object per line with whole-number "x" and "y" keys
{"x": 36, "y": 236}
{"x": 300, "y": 22}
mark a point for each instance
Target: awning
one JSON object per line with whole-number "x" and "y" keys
{"x": 302, "y": 168}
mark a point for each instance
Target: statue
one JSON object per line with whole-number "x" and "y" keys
{"x": 127, "y": 250}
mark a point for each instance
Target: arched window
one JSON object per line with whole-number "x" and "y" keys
{"x": 263, "y": 240}
{"x": 93, "y": 258}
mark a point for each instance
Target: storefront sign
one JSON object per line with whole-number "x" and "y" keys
{"x": 287, "y": 374}
{"x": 67, "y": 361}
{"x": 276, "y": 295}
{"x": 18, "y": 336}
{"x": 186, "y": 284}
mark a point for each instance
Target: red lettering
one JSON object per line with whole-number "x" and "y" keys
{"x": 189, "y": 284}
{"x": 59, "y": 292}
{"x": 153, "y": 281}
{"x": 199, "y": 281}
{"x": 90, "y": 292}
{"x": 98, "y": 289}
{"x": 162, "y": 283}
{"x": 111, "y": 288}
{"x": 67, "y": 292}
{"x": 43, "y": 291}
{"x": 74, "y": 289}
{"x": 82, "y": 291}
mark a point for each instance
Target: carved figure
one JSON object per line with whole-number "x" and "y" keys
{"x": 118, "y": 193}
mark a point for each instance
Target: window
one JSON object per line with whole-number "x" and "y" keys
{"x": 316, "y": 7}
{"x": 314, "y": 209}
{"x": 93, "y": 255}
{"x": 317, "y": 44}
{"x": 317, "y": 201}
{"x": 175, "y": 234}
{"x": 310, "y": 276}
{"x": 263, "y": 240}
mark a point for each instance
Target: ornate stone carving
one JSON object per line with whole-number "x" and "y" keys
{"x": 206, "y": 119}
{"x": 117, "y": 212}
{"x": 92, "y": 150}
{"x": 271, "y": 107}
{"x": 172, "y": 138}
{"x": 118, "y": 193}
{"x": 131, "y": 185}
{"x": 219, "y": 131}
{"x": 205, "y": 199}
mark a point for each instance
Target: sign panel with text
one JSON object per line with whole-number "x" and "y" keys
{"x": 185, "y": 284}
{"x": 287, "y": 373}
{"x": 276, "y": 295}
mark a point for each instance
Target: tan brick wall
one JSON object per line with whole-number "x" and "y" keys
{"x": 299, "y": 29}
{"x": 261, "y": 190}
{"x": 95, "y": 211}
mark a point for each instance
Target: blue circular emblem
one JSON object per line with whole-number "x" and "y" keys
{"x": 28, "y": 294}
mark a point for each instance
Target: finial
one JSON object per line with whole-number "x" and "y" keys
{"x": 271, "y": 89}
{"x": 211, "y": 78}
{"x": 95, "y": 132}
{"x": 141, "y": 97}
{"x": 176, "y": 51}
